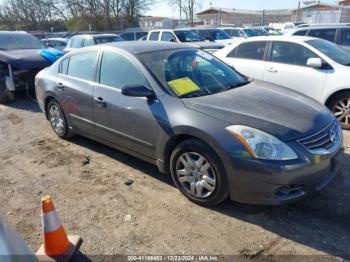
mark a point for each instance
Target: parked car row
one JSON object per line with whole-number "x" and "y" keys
{"x": 314, "y": 67}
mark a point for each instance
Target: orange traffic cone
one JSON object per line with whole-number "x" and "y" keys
{"x": 55, "y": 238}
{"x": 56, "y": 241}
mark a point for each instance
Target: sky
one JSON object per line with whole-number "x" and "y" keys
{"x": 162, "y": 8}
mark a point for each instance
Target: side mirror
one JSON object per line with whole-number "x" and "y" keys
{"x": 138, "y": 91}
{"x": 173, "y": 40}
{"x": 314, "y": 63}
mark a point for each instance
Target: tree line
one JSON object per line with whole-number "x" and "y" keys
{"x": 83, "y": 15}
{"x": 72, "y": 15}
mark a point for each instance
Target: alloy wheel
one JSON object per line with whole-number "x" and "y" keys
{"x": 196, "y": 175}
{"x": 342, "y": 110}
{"x": 56, "y": 119}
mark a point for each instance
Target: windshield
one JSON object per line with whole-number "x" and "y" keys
{"x": 219, "y": 34}
{"x": 187, "y": 36}
{"x": 337, "y": 54}
{"x": 191, "y": 72}
{"x": 19, "y": 41}
{"x": 107, "y": 39}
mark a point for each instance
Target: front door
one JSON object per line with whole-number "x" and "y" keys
{"x": 125, "y": 121}
{"x": 288, "y": 68}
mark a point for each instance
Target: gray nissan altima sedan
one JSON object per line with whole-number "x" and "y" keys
{"x": 218, "y": 133}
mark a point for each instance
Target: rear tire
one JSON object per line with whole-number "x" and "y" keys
{"x": 198, "y": 173}
{"x": 340, "y": 106}
{"x": 58, "y": 120}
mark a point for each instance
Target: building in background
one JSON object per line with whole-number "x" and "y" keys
{"x": 317, "y": 12}
{"x": 312, "y": 12}
{"x": 224, "y": 16}
{"x": 153, "y": 22}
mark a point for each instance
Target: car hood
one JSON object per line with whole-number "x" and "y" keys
{"x": 24, "y": 58}
{"x": 286, "y": 114}
{"x": 207, "y": 45}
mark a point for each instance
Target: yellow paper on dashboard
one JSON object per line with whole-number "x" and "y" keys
{"x": 183, "y": 86}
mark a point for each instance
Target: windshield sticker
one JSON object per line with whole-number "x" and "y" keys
{"x": 183, "y": 86}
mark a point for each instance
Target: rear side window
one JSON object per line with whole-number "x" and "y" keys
{"x": 118, "y": 71}
{"x": 235, "y": 33}
{"x": 76, "y": 43}
{"x": 252, "y": 50}
{"x": 154, "y": 36}
{"x": 300, "y": 32}
{"x": 290, "y": 53}
{"x": 326, "y": 34}
{"x": 82, "y": 65}
{"x": 88, "y": 42}
{"x": 64, "y": 66}
{"x": 345, "y": 37}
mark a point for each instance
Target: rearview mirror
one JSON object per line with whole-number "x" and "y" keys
{"x": 314, "y": 62}
{"x": 138, "y": 91}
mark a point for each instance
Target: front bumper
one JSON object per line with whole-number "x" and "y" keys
{"x": 279, "y": 182}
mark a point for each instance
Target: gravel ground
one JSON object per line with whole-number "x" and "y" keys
{"x": 92, "y": 190}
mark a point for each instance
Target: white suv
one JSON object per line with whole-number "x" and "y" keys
{"x": 312, "y": 66}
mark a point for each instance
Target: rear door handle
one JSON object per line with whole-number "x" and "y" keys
{"x": 272, "y": 70}
{"x": 60, "y": 86}
{"x": 100, "y": 102}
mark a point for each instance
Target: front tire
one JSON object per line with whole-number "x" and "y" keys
{"x": 198, "y": 173}
{"x": 58, "y": 120}
{"x": 5, "y": 95}
{"x": 340, "y": 106}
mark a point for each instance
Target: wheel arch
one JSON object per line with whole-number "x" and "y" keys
{"x": 333, "y": 95}
{"x": 48, "y": 99}
{"x": 177, "y": 138}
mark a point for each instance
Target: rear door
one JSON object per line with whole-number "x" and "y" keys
{"x": 249, "y": 59}
{"x": 75, "y": 84}
{"x": 125, "y": 121}
{"x": 287, "y": 67}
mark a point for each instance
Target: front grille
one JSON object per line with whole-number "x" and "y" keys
{"x": 324, "y": 139}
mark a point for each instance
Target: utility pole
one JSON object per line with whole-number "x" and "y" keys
{"x": 192, "y": 13}
{"x": 220, "y": 17}
{"x": 180, "y": 8}
{"x": 298, "y": 12}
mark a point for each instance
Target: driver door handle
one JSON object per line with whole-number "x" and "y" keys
{"x": 100, "y": 102}
{"x": 272, "y": 70}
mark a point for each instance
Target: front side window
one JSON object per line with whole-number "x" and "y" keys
{"x": 337, "y": 54}
{"x": 128, "y": 36}
{"x": 301, "y": 32}
{"x": 187, "y": 36}
{"x": 345, "y": 37}
{"x": 290, "y": 53}
{"x": 191, "y": 72}
{"x": 252, "y": 50}
{"x": 118, "y": 71}
{"x": 154, "y": 36}
{"x": 82, "y": 65}
{"x": 326, "y": 34}
{"x": 168, "y": 37}
{"x": 235, "y": 33}
{"x": 205, "y": 35}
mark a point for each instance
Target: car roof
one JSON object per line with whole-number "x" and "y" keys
{"x": 55, "y": 39}
{"x": 322, "y": 27}
{"x": 288, "y": 38}
{"x": 139, "y": 47}
{"x": 92, "y": 35}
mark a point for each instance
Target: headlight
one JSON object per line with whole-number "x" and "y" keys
{"x": 262, "y": 145}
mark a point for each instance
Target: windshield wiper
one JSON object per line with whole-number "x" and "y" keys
{"x": 196, "y": 93}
